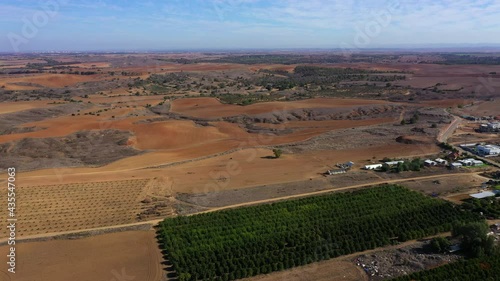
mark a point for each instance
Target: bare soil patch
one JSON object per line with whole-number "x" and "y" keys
{"x": 48, "y": 80}
{"x": 446, "y": 185}
{"x": 134, "y": 254}
{"x": 322, "y": 271}
{"x": 9, "y": 107}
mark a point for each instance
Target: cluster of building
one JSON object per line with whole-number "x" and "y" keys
{"x": 436, "y": 162}
{"x": 470, "y": 162}
{"x": 490, "y": 127}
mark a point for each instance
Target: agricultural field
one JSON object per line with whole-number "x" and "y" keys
{"x": 85, "y": 205}
{"x": 99, "y": 257}
{"x": 258, "y": 240}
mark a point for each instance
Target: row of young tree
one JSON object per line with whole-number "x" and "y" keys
{"x": 244, "y": 242}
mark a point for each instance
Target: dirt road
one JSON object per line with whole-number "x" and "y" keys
{"x": 117, "y": 228}
{"x": 448, "y": 131}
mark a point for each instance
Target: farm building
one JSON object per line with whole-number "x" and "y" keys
{"x": 471, "y": 162}
{"x": 429, "y": 162}
{"x": 336, "y": 172}
{"x": 441, "y": 161}
{"x": 373, "y": 167}
{"x": 490, "y": 127}
{"x": 392, "y": 163}
{"x": 488, "y": 150}
{"x": 484, "y": 194}
{"x": 347, "y": 165}
{"x": 456, "y": 165}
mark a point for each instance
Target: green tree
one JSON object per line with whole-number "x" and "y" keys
{"x": 475, "y": 239}
{"x": 184, "y": 277}
{"x": 440, "y": 244}
{"x": 277, "y": 152}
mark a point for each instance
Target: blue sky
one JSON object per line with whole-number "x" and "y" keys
{"x": 28, "y": 25}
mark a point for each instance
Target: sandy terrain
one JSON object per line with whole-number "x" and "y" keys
{"x": 8, "y": 107}
{"x": 132, "y": 254}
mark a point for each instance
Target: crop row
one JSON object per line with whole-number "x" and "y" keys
{"x": 244, "y": 242}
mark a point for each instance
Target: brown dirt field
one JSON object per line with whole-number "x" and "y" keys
{"x": 18, "y": 62}
{"x": 50, "y": 80}
{"x": 322, "y": 271}
{"x": 125, "y": 100}
{"x": 331, "y": 124}
{"x": 482, "y": 108}
{"x": 243, "y": 165}
{"x": 288, "y": 67}
{"x": 457, "y": 198}
{"x": 92, "y": 65}
{"x": 8, "y": 107}
{"x": 212, "y": 108}
{"x": 446, "y": 185}
{"x": 173, "y": 67}
{"x": 446, "y": 103}
{"x": 104, "y": 257}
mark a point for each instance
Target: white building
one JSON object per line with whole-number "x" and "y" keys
{"x": 373, "y": 167}
{"x": 493, "y": 126}
{"x": 484, "y": 194}
{"x": 392, "y": 163}
{"x": 429, "y": 162}
{"x": 471, "y": 162}
{"x": 441, "y": 161}
{"x": 488, "y": 150}
{"x": 456, "y": 165}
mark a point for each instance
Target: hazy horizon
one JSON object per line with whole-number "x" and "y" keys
{"x": 62, "y": 25}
